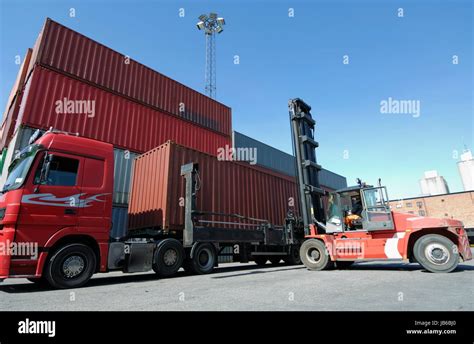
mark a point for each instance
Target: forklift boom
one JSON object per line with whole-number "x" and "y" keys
{"x": 307, "y": 169}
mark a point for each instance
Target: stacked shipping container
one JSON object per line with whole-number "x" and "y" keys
{"x": 282, "y": 162}
{"x": 134, "y": 107}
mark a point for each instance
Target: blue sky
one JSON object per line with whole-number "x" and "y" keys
{"x": 281, "y": 57}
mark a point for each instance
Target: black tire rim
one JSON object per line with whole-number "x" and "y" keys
{"x": 204, "y": 258}
{"x": 73, "y": 266}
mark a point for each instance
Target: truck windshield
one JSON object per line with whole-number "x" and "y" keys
{"x": 19, "y": 167}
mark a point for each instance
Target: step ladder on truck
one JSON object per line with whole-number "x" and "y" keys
{"x": 357, "y": 224}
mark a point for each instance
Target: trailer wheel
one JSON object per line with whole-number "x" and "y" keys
{"x": 71, "y": 266}
{"x": 436, "y": 253}
{"x": 203, "y": 260}
{"x": 260, "y": 260}
{"x": 315, "y": 255}
{"x": 168, "y": 257}
{"x": 293, "y": 257}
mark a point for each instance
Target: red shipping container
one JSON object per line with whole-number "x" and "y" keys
{"x": 13, "y": 103}
{"x": 225, "y": 187}
{"x": 117, "y": 120}
{"x": 62, "y": 49}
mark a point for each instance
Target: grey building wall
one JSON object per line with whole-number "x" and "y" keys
{"x": 275, "y": 159}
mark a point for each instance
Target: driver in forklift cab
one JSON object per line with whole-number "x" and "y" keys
{"x": 355, "y": 213}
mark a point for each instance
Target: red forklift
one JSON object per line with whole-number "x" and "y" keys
{"x": 356, "y": 223}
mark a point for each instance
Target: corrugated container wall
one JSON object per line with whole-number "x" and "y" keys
{"x": 119, "y": 222}
{"x": 65, "y": 50}
{"x": 117, "y": 120}
{"x": 282, "y": 162}
{"x": 225, "y": 187}
{"x": 12, "y": 108}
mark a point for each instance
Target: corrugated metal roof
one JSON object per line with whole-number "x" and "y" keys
{"x": 282, "y": 162}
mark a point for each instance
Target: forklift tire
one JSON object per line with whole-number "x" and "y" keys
{"x": 168, "y": 257}
{"x": 71, "y": 266}
{"x": 260, "y": 260}
{"x": 343, "y": 264}
{"x": 315, "y": 255}
{"x": 203, "y": 259}
{"x": 436, "y": 253}
{"x": 275, "y": 260}
{"x": 293, "y": 257}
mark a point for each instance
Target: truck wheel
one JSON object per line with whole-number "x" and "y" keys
{"x": 168, "y": 257}
{"x": 343, "y": 264}
{"x": 260, "y": 260}
{"x": 203, "y": 260}
{"x": 71, "y": 266}
{"x": 315, "y": 255}
{"x": 293, "y": 257}
{"x": 436, "y": 253}
{"x": 275, "y": 260}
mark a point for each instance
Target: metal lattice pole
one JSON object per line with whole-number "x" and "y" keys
{"x": 211, "y": 25}
{"x": 210, "y": 76}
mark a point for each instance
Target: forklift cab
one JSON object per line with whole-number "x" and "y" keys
{"x": 358, "y": 208}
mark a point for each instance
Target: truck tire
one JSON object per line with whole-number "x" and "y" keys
{"x": 315, "y": 255}
{"x": 168, "y": 257}
{"x": 293, "y": 257}
{"x": 436, "y": 253}
{"x": 260, "y": 260}
{"x": 203, "y": 260}
{"x": 344, "y": 264}
{"x": 71, "y": 266}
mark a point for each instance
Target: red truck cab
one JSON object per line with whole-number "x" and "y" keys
{"x": 58, "y": 192}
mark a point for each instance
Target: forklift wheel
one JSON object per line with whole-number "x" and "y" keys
{"x": 436, "y": 253}
{"x": 260, "y": 260}
{"x": 315, "y": 255}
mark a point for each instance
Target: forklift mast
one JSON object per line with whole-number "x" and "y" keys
{"x": 307, "y": 169}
